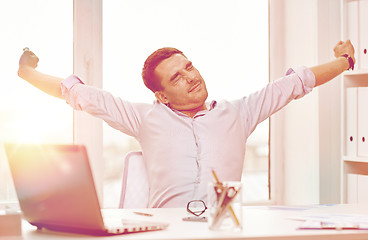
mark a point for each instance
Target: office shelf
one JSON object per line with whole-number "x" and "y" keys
{"x": 355, "y": 159}
{"x": 354, "y": 104}
{"x": 357, "y": 72}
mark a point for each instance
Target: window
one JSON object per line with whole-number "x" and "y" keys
{"x": 27, "y": 114}
{"x": 226, "y": 40}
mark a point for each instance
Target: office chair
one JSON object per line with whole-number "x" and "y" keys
{"x": 135, "y": 187}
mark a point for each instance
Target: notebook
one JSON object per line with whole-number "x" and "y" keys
{"x": 56, "y": 191}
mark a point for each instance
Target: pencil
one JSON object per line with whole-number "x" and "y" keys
{"x": 143, "y": 214}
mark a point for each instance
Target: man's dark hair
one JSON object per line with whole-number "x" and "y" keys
{"x": 149, "y": 78}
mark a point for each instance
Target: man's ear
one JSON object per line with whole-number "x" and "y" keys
{"x": 161, "y": 97}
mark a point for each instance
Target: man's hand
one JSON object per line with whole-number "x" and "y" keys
{"x": 28, "y": 58}
{"x": 342, "y": 48}
{"x": 49, "y": 84}
{"x": 325, "y": 72}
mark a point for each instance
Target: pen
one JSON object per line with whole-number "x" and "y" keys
{"x": 143, "y": 214}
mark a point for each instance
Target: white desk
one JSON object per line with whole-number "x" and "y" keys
{"x": 259, "y": 223}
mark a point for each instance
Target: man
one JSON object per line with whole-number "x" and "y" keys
{"x": 182, "y": 136}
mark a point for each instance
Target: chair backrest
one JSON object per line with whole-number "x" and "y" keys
{"x": 135, "y": 187}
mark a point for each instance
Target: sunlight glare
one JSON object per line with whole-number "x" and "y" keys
{"x": 28, "y": 131}
{"x": 31, "y": 129}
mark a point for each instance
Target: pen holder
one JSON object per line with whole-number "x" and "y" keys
{"x": 225, "y": 206}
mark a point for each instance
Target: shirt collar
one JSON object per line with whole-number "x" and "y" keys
{"x": 210, "y": 106}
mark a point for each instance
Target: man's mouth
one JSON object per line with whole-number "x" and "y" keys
{"x": 195, "y": 87}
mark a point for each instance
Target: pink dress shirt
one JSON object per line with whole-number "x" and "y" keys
{"x": 180, "y": 151}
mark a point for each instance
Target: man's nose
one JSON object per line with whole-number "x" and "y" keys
{"x": 189, "y": 77}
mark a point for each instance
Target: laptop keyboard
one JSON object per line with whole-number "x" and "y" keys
{"x": 132, "y": 226}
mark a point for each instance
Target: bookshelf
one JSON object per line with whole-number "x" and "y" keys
{"x": 354, "y": 102}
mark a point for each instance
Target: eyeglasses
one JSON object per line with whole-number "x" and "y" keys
{"x": 196, "y": 207}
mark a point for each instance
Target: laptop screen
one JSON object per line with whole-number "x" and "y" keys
{"x": 54, "y": 185}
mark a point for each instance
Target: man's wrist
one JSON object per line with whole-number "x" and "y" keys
{"x": 350, "y": 61}
{"x": 25, "y": 71}
{"x": 22, "y": 70}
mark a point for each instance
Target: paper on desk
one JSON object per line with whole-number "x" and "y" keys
{"x": 299, "y": 208}
{"x": 333, "y": 221}
{"x": 292, "y": 207}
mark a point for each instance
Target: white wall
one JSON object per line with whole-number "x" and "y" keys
{"x": 303, "y": 142}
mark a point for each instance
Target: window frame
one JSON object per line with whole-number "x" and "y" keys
{"x": 88, "y": 35}
{"x": 87, "y": 64}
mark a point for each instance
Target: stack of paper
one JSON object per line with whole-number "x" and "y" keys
{"x": 334, "y": 221}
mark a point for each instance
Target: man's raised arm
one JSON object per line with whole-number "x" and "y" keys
{"x": 46, "y": 83}
{"x": 325, "y": 72}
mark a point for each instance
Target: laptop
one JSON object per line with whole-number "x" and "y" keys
{"x": 56, "y": 191}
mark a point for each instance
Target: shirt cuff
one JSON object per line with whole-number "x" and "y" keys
{"x": 68, "y": 83}
{"x": 306, "y": 76}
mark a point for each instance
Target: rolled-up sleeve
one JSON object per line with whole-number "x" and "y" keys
{"x": 262, "y": 104}
{"x": 306, "y": 76}
{"x": 68, "y": 83}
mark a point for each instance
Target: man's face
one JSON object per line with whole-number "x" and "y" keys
{"x": 183, "y": 86}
